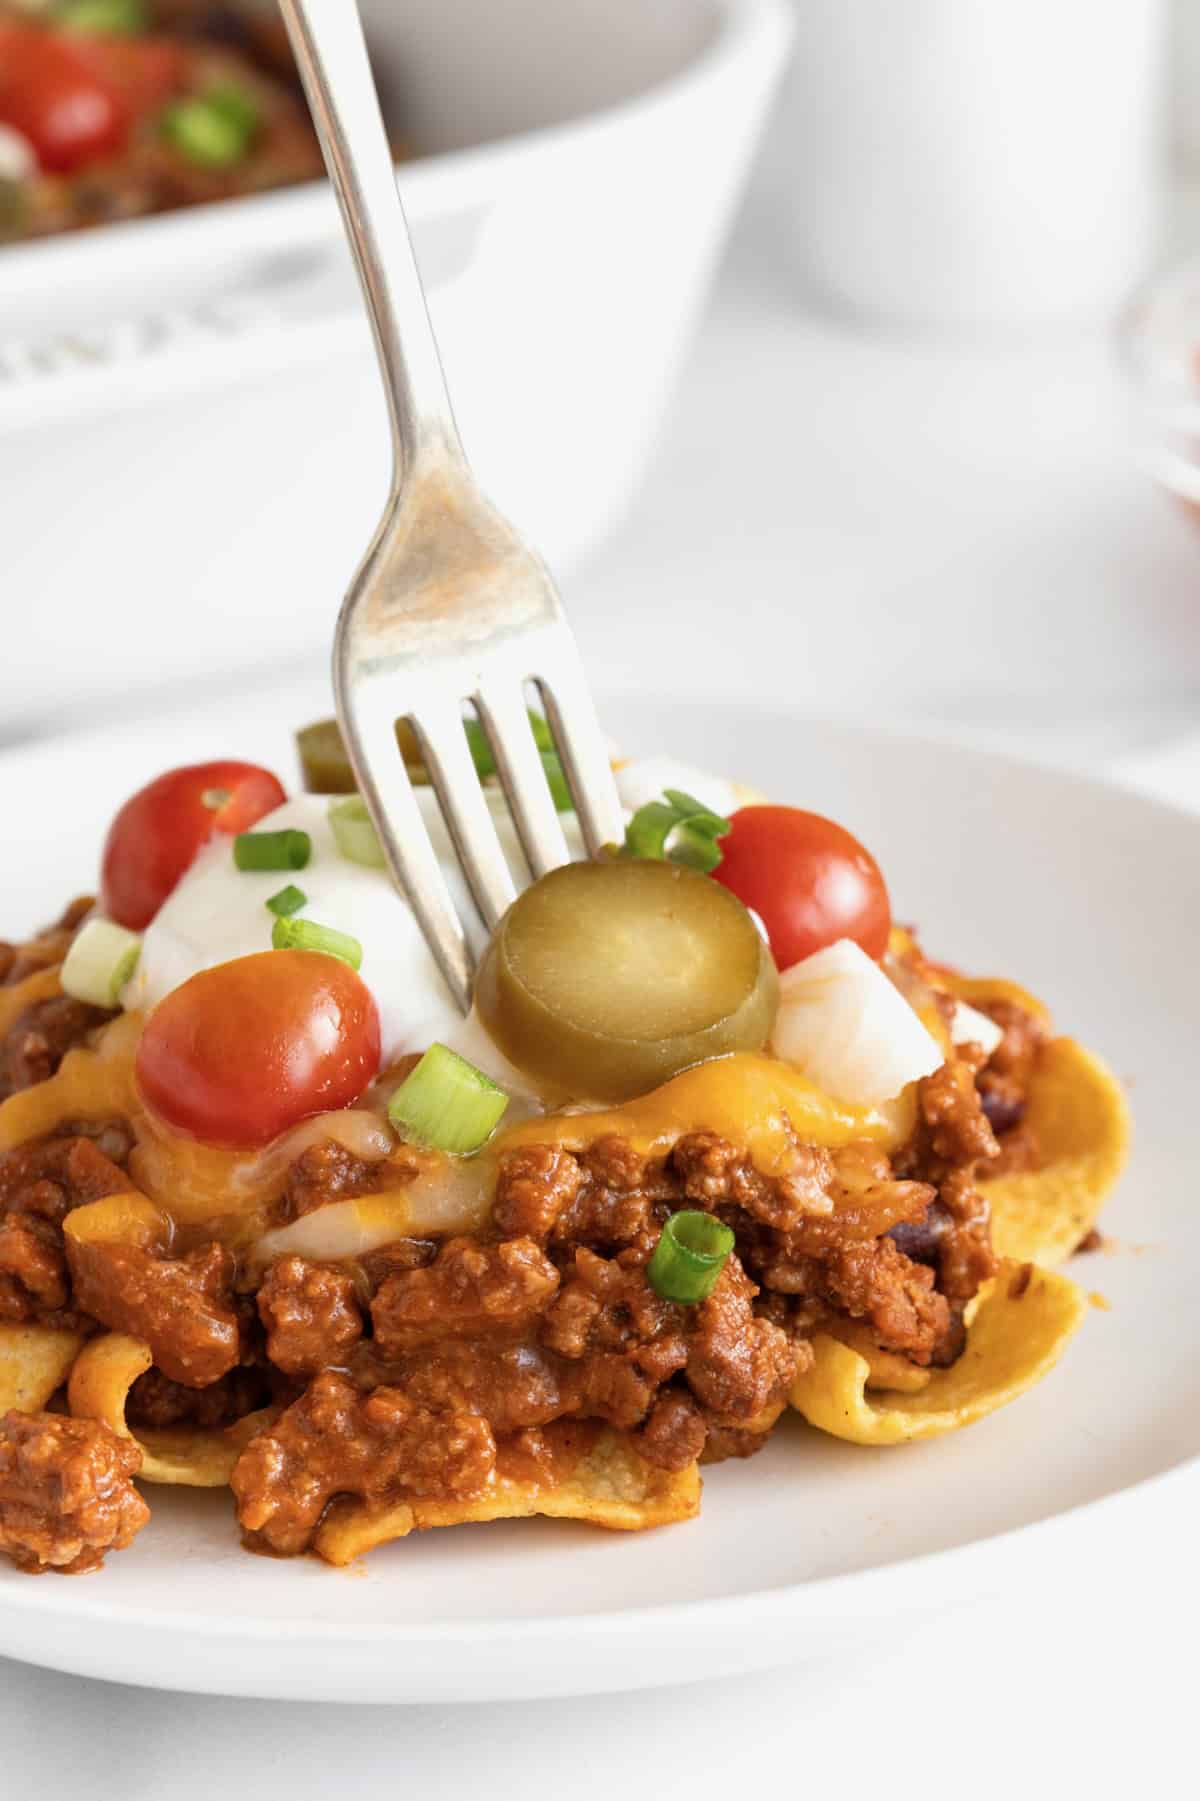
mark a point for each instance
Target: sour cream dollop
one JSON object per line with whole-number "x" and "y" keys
{"x": 219, "y": 912}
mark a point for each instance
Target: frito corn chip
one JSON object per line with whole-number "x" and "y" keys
{"x": 885, "y": 1369}
{"x": 1080, "y": 1120}
{"x": 34, "y": 1361}
{"x": 1019, "y": 1328}
{"x": 180, "y": 1456}
{"x": 609, "y": 1486}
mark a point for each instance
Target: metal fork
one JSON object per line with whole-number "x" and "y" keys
{"x": 449, "y": 605}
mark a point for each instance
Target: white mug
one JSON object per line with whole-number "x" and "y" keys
{"x": 971, "y": 163}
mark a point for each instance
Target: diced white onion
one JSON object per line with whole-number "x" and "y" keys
{"x": 102, "y": 958}
{"x": 969, "y": 1026}
{"x": 844, "y": 1025}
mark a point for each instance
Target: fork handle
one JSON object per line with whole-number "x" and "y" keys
{"x": 331, "y": 53}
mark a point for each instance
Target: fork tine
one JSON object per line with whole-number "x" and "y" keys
{"x": 388, "y": 791}
{"x": 447, "y": 756}
{"x": 502, "y": 713}
{"x": 576, "y": 729}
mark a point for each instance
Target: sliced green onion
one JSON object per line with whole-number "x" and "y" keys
{"x": 354, "y": 834}
{"x": 542, "y": 735}
{"x": 481, "y": 750}
{"x": 559, "y": 792}
{"x": 689, "y": 1257}
{"x": 288, "y": 849}
{"x": 485, "y": 762}
{"x": 206, "y": 132}
{"x": 289, "y": 900}
{"x": 447, "y": 1103}
{"x": 306, "y": 935}
{"x": 113, "y": 18}
{"x": 237, "y": 105}
{"x": 678, "y": 829}
{"x": 100, "y": 961}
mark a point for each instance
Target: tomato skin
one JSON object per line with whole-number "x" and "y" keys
{"x": 145, "y": 72}
{"x": 241, "y": 1052}
{"x": 70, "y": 115}
{"x": 155, "y": 837}
{"x": 808, "y": 880}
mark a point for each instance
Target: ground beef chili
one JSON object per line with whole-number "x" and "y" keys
{"x": 34, "y": 1043}
{"x": 428, "y": 1364}
{"x": 337, "y": 1440}
{"x": 66, "y": 1495}
{"x": 182, "y": 1306}
{"x": 1003, "y": 1083}
{"x": 39, "y": 1184}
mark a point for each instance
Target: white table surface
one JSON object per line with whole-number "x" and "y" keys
{"x": 851, "y": 525}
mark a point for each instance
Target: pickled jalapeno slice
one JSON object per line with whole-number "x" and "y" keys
{"x": 326, "y": 767}
{"x": 606, "y": 979}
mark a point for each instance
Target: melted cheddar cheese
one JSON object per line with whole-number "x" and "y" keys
{"x": 752, "y": 1100}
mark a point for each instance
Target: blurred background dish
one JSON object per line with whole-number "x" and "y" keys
{"x": 188, "y": 402}
{"x": 923, "y": 497}
{"x": 117, "y": 109}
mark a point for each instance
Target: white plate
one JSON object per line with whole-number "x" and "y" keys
{"x": 1087, "y": 894}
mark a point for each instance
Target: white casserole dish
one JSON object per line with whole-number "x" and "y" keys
{"x": 192, "y": 446}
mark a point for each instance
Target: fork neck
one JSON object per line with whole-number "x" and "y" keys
{"x": 331, "y": 54}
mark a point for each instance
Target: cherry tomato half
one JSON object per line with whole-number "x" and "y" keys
{"x": 68, "y": 112}
{"x": 157, "y": 833}
{"x": 809, "y": 881}
{"x": 241, "y": 1052}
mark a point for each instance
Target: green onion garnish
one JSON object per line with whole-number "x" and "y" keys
{"x": 481, "y": 750}
{"x": 353, "y": 833}
{"x": 100, "y": 961}
{"x": 235, "y": 104}
{"x": 485, "y": 762}
{"x": 290, "y": 934}
{"x": 112, "y": 18}
{"x": 447, "y": 1103}
{"x": 289, "y": 900}
{"x": 678, "y": 829}
{"x": 288, "y": 849}
{"x": 212, "y": 131}
{"x": 559, "y": 792}
{"x": 689, "y": 1257}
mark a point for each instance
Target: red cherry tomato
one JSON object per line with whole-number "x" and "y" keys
{"x": 70, "y": 114}
{"x": 809, "y": 881}
{"x": 145, "y": 72}
{"x": 158, "y": 832}
{"x": 241, "y": 1052}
